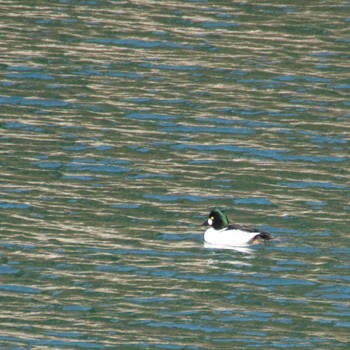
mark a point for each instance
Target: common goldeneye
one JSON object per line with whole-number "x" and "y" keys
{"x": 223, "y": 234}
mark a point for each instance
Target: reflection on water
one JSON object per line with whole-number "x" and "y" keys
{"x": 242, "y": 249}
{"x": 123, "y": 123}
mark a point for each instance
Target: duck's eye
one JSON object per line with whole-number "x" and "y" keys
{"x": 212, "y": 217}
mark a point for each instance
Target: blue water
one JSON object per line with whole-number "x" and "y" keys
{"x": 123, "y": 124}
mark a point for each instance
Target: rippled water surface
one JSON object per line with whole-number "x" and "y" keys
{"x": 123, "y": 123}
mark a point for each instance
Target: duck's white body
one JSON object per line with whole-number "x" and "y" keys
{"x": 228, "y": 237}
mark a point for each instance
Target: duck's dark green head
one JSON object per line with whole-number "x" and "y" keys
{"x": 217, "y": 219}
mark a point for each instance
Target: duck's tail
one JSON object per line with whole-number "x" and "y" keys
{"x": 265, "y": 236}
{"x": 261, "y": 237}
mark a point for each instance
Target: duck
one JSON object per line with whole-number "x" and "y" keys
{"x": 222, "y": 233}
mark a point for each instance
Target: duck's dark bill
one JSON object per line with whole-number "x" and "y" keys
{"x": 205, "y": 223}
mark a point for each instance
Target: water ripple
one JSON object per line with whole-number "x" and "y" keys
{"x": 123, "y": 124}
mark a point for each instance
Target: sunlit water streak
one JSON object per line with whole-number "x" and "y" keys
{"x": 123, "y": 124}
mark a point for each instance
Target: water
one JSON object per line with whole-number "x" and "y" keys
{"x": 123, "y": 123}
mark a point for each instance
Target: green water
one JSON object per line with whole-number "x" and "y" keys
{"x": 123, "y": 123}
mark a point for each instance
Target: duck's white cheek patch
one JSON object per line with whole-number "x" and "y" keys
{"x": 210, "y": 222}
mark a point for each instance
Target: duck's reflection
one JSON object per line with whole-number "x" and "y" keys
{"x": 243, "y": 249}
